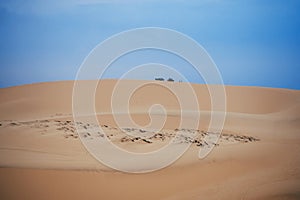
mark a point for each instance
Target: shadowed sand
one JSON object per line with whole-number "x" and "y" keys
{"x": 257, "y": 156}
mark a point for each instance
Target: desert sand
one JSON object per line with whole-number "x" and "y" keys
{"x": 256, "y": 157}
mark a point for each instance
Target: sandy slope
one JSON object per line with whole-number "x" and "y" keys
{"x": 37, "y": 131}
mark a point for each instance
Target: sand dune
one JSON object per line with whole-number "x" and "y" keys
{"x": 257, "y": 156}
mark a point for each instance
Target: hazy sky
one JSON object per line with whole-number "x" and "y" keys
{"x": 253, "y": 42}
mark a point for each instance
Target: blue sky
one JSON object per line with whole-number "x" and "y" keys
{"x": 252, "y": 42}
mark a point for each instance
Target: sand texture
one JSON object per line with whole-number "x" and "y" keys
{"x": 42, "y": 156}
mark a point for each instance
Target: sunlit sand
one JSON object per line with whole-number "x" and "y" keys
{"x": 256, "y": 157}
